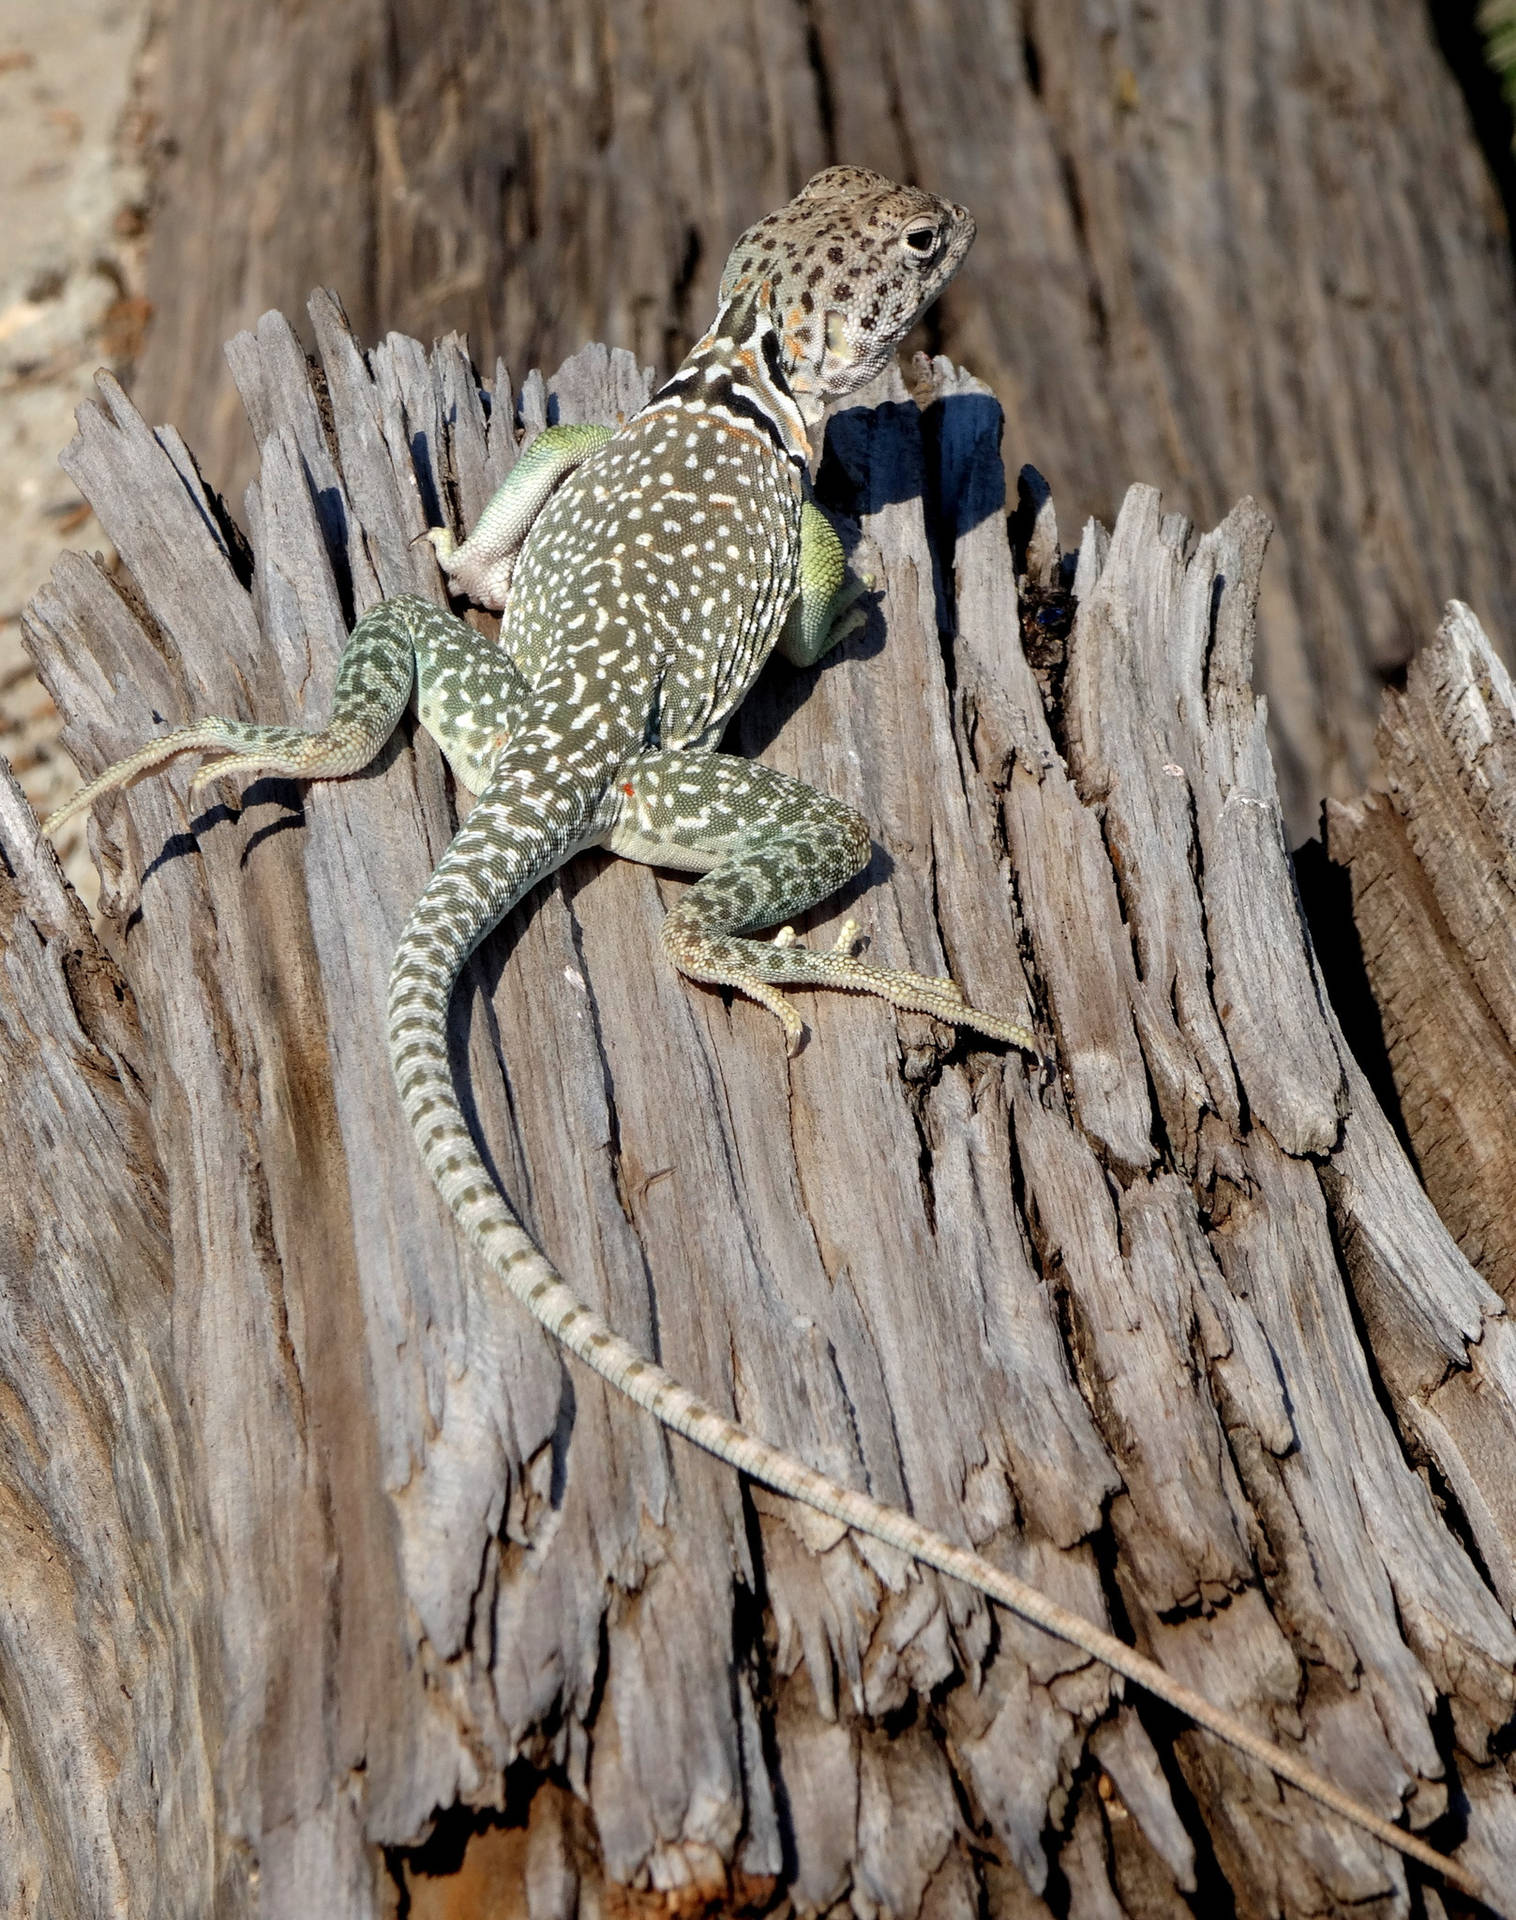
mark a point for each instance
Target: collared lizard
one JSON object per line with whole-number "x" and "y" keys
{"x": 645, "y": 575}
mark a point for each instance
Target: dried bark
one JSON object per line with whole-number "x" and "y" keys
{"x": 313, "y": 1551}
{"x": 1234, "y": 248}
{"x": 1433, "y": 868}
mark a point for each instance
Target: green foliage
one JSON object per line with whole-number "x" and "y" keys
{"x": 1497, "y": 22}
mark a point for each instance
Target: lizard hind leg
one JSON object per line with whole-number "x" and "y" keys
{"x": 373, "y": 683}
{"x": 768, "y": 847}
{"x": 469, "y": 695}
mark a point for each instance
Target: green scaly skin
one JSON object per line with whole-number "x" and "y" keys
{"x": 646, "y": 575}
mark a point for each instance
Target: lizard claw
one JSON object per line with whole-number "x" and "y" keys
{"x": 442, "y": 542}
{"x": 201, "y": 779}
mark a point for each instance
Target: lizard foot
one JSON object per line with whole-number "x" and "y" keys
{"x": 336, "y": 750}
{"x": 481, "y": 576}
{"x": 760, "y": 969}
{"x": 848, "y": 616}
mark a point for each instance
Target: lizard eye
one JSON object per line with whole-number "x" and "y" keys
{"x": 919, "y": 240}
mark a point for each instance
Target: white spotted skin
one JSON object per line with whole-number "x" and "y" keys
{"x": 654, "y": 581}
{"x": 642, "y": 611}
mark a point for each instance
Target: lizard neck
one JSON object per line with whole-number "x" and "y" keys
{"x": 737, "y": 373}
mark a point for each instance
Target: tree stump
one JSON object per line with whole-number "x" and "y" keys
{"x": 331, "y": 1588}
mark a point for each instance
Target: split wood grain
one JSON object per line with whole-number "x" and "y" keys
{"x": 1181, "y": 1338}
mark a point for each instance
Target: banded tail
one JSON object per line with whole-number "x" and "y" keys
{"x": 458, "y": 907}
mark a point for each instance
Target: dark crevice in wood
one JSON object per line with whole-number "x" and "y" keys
{"x": 685, "y": 329}
{"x": 1449, "y": 1506}
{"x": 1073, "y": 196}
{"x": 1031, "y": 58}
{"x": 1451, "y": 1828}
{"x": 607, "y": 1073}
{"x": 821, "y": 81}
{"x": 753, "y": 1648}
{"x": 90, "y": 975}
{"x": 477, "y": 985}
{"x": 426, "y": 459}
{"x": 898, "y": 118}
{"x": 1326, "y": 898}
{"x": 1079, "y": 1352}
{"x": 479, "y": 1623}
{"x": 1213, "y": 1898}
{"x": 220, "y": 516}
{"x": 440, "y": 1855}
{"x": 119, "y": 579}
{"x": 1417, "y": 1458}
{"x": 924, "y": 1157}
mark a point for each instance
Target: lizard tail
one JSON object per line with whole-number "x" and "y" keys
{"x": 427, "y": 963}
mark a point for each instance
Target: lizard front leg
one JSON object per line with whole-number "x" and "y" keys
{"x": 481, "y": 568}
{"x": 825, "y": 610}
{"x": 768, "y": 847}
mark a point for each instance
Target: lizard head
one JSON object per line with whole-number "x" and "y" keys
{"x": 843, "y": 273}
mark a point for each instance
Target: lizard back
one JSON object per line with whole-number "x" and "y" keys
{"x": 655, "y": 581}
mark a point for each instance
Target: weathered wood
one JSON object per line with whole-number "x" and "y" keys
{"x": 1433, "y": 866}
{"x": 1181, "y": 1338}
{"x": 1229, "y": 247}
{"x": 106, "y": 1751}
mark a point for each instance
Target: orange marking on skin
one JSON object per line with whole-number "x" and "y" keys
{"x": 628, "y": 789}
{"x": 748, "y": 358}
{"x": 743, "y": 433}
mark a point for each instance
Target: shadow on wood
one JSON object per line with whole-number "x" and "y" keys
{"x": 315, "y": 1557}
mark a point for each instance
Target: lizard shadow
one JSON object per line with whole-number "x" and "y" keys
{"x": 273, "y": 789}
{"x": 178, "y": 846}
{"x": 947, "y": 456}
{"x": 885, "y": 455}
